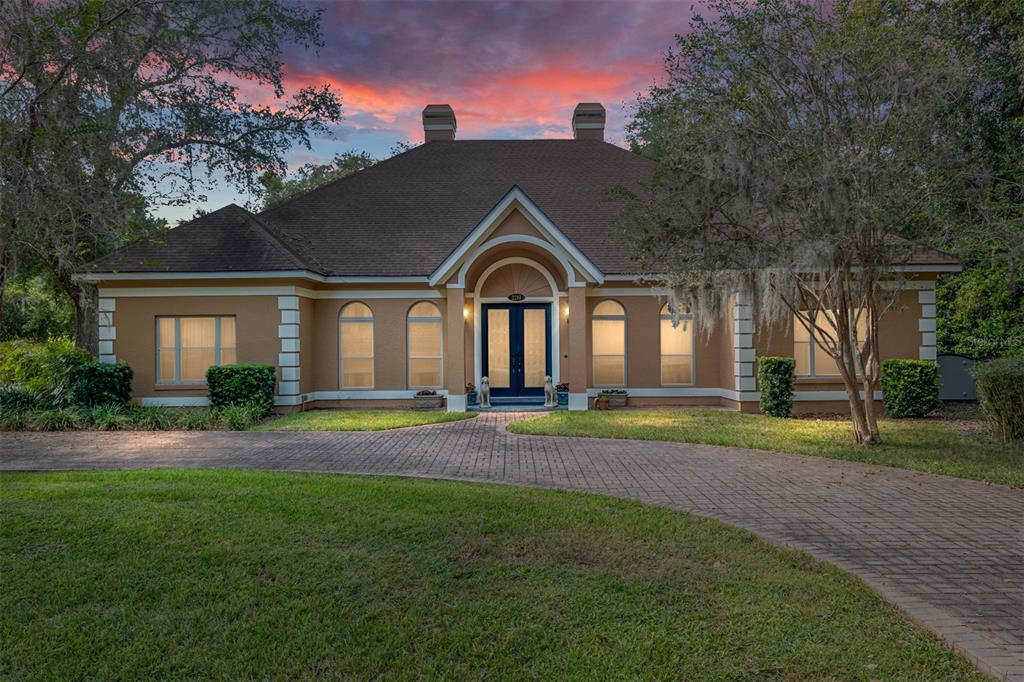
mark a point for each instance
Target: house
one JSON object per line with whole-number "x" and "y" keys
{"x": 451, "y": 262}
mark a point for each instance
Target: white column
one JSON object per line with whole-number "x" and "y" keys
{"x": 107, "y": 330}
{"x": 288, "y": 334}
{"x": 926, "y": 324}
{"x": 743, "y": 343}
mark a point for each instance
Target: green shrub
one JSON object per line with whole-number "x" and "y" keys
{"x": 14, "y": 421}
{"x": 910, "y": 388}
{"x": 775, "y": 380}
{"x": 229, "y": 385}
{"x": 1000, "y": 385}
{"x": 42, "y": 368}
{"x": 198, "y": 419}
{"x": 17, "y": 399}
{"x": 239, "y": 417}
{"x": 55, "y": 419}
{"x": 151, "y": 418}
{"x": 95, "y": 383}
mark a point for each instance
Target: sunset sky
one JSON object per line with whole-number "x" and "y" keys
{"x": 510, "y": 69}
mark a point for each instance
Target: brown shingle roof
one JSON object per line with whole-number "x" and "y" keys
{"x": 229, "y": 239}
{"x": 404, "y": 216}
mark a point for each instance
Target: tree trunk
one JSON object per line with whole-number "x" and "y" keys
{"x": 87, "y": 330}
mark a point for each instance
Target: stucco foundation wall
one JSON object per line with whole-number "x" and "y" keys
{"x": 389, "y": 341}
{"x": 256, "y": 320}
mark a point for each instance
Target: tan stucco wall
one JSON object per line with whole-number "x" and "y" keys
{"x": 389, "y": 341}
{"x": 256, "y": 319}
{"x": 643, "y": 344}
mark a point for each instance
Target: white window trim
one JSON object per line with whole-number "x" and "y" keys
{"x": 685, "y": 318}
{"x": 409, "y": 357}
{"x": 625, "y": 347}
{"x": 176, "y": 348}
{"x": 373, "y": 348}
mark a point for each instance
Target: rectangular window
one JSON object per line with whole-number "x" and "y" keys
{"x": 676, "y": 350}
{"x": 811, "y": 358}
{"x": 188, "y": 346}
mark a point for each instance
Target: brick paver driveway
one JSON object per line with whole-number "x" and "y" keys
{"x": 948, "y": 551}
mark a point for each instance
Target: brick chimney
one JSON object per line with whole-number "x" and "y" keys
{"x": 588, "y": 121}
{"x": 438, "y": 123}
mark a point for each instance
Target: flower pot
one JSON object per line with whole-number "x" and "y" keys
{"x": 428, "y": 402}
{"x": 617, "y": 399}
{"x": 563, "y": 398}
{"x": 472, "y": 398}
{"x": 601, "y": 403}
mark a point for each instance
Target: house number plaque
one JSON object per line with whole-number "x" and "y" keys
{"x": 516, "y": 297}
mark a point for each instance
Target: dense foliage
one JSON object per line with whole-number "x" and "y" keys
{"x": 1001, "y": 391}
{"x": 35, "y": 310}
{"x": 775, "y": 382}
{"x": 981, "y": 311}
{"x": 279, "y": 187}
{"x": 242, "y": 385}
{"x": 795, "y": 139}
{"x": 910, "y": 388}
{"x": 27, "y": 417}
{"x": 95, "y": 383}
{"x": 41, "y": 368}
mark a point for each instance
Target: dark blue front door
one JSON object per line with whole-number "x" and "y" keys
{"x": 516, "y": 348}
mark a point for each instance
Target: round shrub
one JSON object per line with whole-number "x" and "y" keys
{"x": 910, "y": 388}
{"x": 97, "y": 383}
{"x": 251, "y": 385}
{"x": 775, "y": 380}
{"x": 1000, "y": 385}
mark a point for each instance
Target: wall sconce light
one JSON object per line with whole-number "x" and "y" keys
{"x": 467, "y": 312}
{"x": 566, "y": 307}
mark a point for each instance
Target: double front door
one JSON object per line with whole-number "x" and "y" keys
{"x": 516, "y": 348}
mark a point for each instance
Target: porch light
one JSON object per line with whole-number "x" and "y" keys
{"x": 566, "y": 308}
{"x": 467, "y": 312}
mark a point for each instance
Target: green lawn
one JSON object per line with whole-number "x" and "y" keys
{"x": 357, "y": 420}
{"x": 961, "y": 447}
{"x": 237, "y": 574}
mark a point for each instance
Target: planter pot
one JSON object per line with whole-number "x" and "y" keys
{"x": 563, "y": 398}
{"x": 473, "y": 398}
{"x": 428, "y": 402}
{"x": 617, "y": 399}
{"x": 601, "y": 403}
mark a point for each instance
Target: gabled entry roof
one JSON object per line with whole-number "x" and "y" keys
{"x": 406, "y": 215}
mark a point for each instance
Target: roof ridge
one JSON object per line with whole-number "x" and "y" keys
{"x": 272, "y": 235}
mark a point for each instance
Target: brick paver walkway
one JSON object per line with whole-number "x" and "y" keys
{"x": 948, "y": 551}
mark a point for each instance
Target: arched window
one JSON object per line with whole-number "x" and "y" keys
{"x": 355, "y": 334}
{"x": 608, "y": 332}
{"x": 676, "y": 348}
{"x": 425, "y": 343}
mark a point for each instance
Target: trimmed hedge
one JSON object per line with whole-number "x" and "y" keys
{"x": 1000, "y": 385}
{"x": 775, "y": 380}
{"x": 910, "y": 387}
{"x": 244, "y": 385}
{"x": 97, "y": 383}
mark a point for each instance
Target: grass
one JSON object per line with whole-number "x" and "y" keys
{"x": 962, "y": 447}
{"x": 357, "y": 420}
{"x": 238, "y": 574}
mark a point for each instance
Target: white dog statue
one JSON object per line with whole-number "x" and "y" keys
{"x": 485, "y": 392}
{"x": 550, "y": 399}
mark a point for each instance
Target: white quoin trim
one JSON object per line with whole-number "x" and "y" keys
{"x": 107, "y": 332}
{"x": 288, "y": 337}
{"x": 744, "y": 354}
{"x": 515, "y": 199}
{"x": 926, "y": 323}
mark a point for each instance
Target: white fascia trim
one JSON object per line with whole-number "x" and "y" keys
{"x": 515, "y": 198}
{"x": 248, "y": 274}
{"x": 137, "y": 292}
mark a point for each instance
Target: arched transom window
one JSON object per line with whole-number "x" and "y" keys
{"x": 355, "y": 334}
{"x": 608, "y": 334}
{"x": 425, "y": 344}
{"x": 676, "y": 348}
